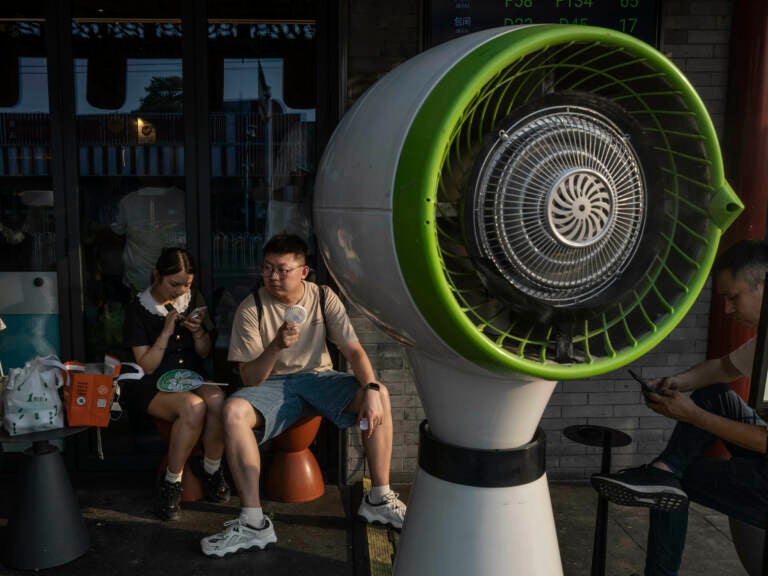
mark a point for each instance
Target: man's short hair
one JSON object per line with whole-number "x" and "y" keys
{"x": 747, "y": 259}
{"x": 287, "y": 244}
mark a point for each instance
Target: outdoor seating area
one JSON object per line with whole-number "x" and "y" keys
{"x": 404, "y": 289}
{"x": 318, "y": 538}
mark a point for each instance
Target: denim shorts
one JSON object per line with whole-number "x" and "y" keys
{"x": 282, "y": 400}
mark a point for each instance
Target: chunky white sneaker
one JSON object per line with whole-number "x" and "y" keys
{"x": 238, "y": 536}
{"x": 390, "y": 511}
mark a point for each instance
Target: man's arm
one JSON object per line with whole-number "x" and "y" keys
{"x": 359, "y": 362}
{"x": 680, "y": 407}
{"x": 703, "y": 374}
{"x": 257, "y": 370}
{"x": 371, "y": 406}
{"x": 750, "y": 436}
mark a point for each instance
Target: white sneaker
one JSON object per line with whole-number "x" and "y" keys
{"x": 238, "y": 536}
{"x": 390, "y": 511}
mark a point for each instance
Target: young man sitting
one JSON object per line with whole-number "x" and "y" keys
{"x": 287, "y": 373}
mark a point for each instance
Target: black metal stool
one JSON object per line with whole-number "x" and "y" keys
{"x": 607, "y": 438}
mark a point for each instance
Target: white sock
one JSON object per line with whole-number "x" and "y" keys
{"x": 253, "y": 516}
{"x": 171, "y": 477}
{"x": 210, "y": 466}
{"x": 376, "y": 495}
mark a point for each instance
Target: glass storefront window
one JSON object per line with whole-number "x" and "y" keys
{"x": 130, "y": 137}
{"x": 28, "y": 282}
{"x": 262, "y": 146}
{"x": 27, "y": 227}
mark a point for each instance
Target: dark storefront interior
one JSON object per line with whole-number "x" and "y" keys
{"x": 134, "y": 126}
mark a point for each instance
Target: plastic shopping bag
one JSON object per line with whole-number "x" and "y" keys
{"x": 31, "y": 399}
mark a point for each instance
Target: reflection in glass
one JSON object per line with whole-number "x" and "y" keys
{"x": 130, "y": 135}
{"x": 27, "y": 227}
{"x": 262, "y": 164}
{"x": 28, "y": 283}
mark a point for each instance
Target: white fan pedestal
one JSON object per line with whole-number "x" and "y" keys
{"x": 480, "y": 426}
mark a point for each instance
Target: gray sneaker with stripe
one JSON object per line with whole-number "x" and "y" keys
{"x": 645, "y": 486}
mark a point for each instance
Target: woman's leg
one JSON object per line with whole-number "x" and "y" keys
{"x": 213, "y": 431}
{"x": 186, "y": 411}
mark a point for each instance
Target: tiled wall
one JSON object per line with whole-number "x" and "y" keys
{"x": 695, "y": 35}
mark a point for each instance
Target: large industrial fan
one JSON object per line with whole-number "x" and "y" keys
{"x": 517, "y": 206}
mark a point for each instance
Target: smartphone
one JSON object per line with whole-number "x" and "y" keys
{"x": 643, "y": 383}
{"x": 196, "y": 313}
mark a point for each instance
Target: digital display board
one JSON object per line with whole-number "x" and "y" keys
{"x": 448, "y": 19}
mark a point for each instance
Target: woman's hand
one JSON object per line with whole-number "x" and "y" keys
{"x": 170, "y": 323}
{"x": 194, "y": 324}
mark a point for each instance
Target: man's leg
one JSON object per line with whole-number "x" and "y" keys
{"x": 707, "y": 481}
{"x": 666, "y": 541}
{"x": 381, "y": 505}
{"x": 338, "y": 397}
{"x": 737, "y": 487}
{"x": 251, "y": 529}
{"x": 657, "y": 485}
{"x": 378, "y": 446}
{"x": 688, "y": 443}
{"x": 240, "y": 419}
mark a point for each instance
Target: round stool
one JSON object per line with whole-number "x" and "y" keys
{"x": 606, "y": 438}
{"x": 294, "y": 474}
{"x": 191, "y": 486}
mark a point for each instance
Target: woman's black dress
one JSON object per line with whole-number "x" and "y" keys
{"x": 142, "y": 327}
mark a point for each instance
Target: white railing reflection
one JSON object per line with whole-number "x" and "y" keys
{"x": 236, "y": 250}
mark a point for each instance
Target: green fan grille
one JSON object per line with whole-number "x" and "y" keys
{"x": 692, "y": 204}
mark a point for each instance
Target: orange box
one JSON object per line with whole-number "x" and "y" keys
{"x": 88, "y": 392}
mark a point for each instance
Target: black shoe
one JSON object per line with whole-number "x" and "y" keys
{"x": 215, "y": 486}
{"x": 167, "y": 500}
{"x": 645, "y": 486}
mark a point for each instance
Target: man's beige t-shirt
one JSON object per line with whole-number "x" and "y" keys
{"x": 743, "y": 357}
{"x": 310, "y": 353}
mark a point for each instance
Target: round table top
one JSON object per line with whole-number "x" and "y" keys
{"x": 592, "y": 435}
{"x": 41, "y": 436}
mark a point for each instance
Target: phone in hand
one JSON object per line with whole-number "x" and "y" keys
{"x": 643, "y": 383}
{"x": 196, "y": 313}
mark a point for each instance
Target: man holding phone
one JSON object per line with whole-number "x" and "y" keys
{"x": 736, "y": 487}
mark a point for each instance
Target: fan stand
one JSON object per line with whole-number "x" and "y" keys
{"x": 480, "y": 503}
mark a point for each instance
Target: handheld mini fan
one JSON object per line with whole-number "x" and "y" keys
{"x": 295, "y": 313}
{"x": 517, "y": 206}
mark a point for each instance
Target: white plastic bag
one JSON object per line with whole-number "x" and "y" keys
{"x": 31, "y": 399}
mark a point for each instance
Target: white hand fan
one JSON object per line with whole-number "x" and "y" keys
{"x": 296, "y": 314}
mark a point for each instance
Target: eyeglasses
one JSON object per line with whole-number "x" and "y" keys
{"x": 268, "y": 270}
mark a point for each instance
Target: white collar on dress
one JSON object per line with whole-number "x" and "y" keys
{"x": 150, "y": 304}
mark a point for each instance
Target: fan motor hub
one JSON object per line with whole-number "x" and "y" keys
{"x": 580, "y": 207}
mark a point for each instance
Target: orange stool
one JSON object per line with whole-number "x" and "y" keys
{"x": 294, "y": 474}
{"x": 192, "y": 487}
